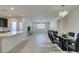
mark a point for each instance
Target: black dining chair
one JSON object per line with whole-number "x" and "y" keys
{"x": 55, "y": 32}
{"x": 50, "y": 36}
{"x": 77, "y": 43}
{"x": 56, "y": 38}
{"x": 75, "y": 46}
{"x": 71, "y": 34}
{"x": 62, "y": 43}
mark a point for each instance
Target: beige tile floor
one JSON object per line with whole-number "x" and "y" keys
{"x": 36, "y": 43}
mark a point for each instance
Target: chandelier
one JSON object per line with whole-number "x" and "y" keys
{"x": 64, "y": 12}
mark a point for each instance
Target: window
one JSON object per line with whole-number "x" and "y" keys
{"x": 40, "y": 26}
{"x": 14, "y": 26}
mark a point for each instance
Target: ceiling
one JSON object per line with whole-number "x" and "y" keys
{"x": 34, "y": 11}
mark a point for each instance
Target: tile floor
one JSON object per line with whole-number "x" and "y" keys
{"x": 36, "y": 43}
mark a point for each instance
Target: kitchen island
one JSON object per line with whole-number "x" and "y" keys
{"x": 9, "y": 40}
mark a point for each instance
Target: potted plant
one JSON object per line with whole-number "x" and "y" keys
{"x": 64, "y": 34}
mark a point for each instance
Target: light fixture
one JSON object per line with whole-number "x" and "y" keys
{"x": 12, "y": 8}
{"x": 10, "y": 15}
{"x": 64, "y": 12}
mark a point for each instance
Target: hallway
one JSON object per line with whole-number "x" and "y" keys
{"x": 36, "y": 43}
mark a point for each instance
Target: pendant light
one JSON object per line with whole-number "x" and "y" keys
{"x": 64, "y": 12}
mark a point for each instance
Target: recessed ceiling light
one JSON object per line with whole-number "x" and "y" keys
{"x": 10, "y": 15}
{"x": 12, "y": 8}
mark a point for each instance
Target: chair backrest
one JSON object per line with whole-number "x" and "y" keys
{"x": 55, "y": 32}
{"x": 78, "y": 36}
{"x": 71, "y": 34}
{"x": 77, "y": 40}
{"x": 50, "y": 34}
{"x": 77, "y": 43}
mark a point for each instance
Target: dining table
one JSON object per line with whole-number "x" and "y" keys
{"x": 67, "y": 40}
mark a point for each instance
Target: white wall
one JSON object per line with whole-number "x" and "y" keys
{"x": 73, "y": 21}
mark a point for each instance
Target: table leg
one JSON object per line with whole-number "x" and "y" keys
{"x": 67, "y": 45}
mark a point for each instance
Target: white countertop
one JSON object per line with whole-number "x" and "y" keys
{"x": 8, "y": 34}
